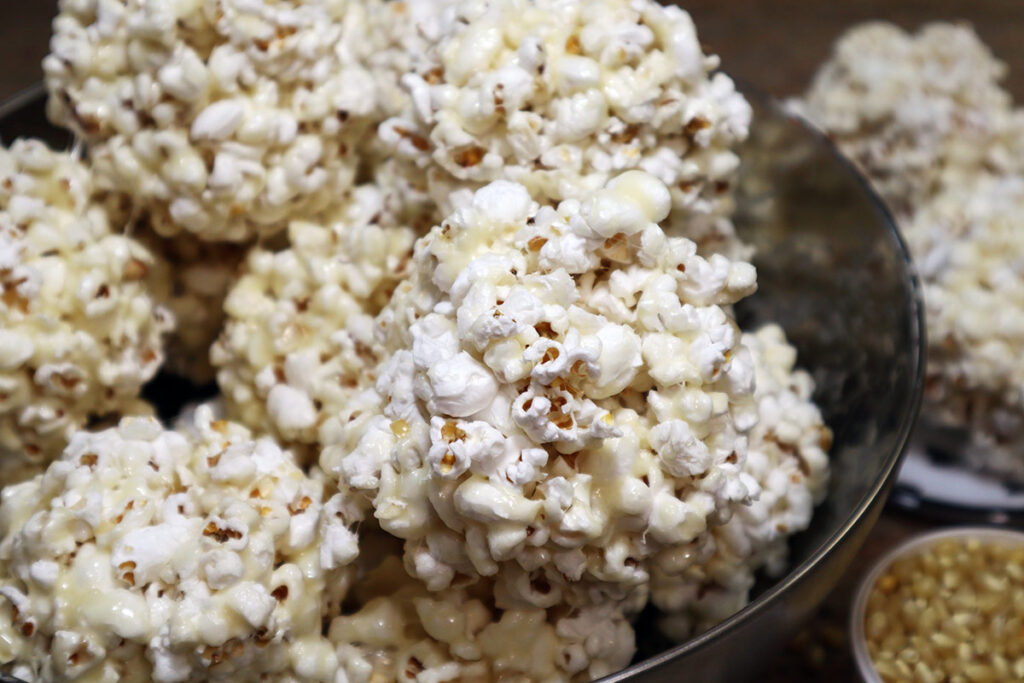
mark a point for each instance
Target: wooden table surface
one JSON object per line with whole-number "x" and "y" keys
{"x": 775, "y": 45}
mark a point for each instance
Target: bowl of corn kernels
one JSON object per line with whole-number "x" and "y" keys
{"x": 944, "y": 606}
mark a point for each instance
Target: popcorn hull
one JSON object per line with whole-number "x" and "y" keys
{"x": 834, "y": 273}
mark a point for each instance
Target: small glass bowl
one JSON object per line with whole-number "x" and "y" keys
{"x": 910, "y": 547}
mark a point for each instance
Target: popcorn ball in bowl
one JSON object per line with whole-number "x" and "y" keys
{"x": 403, "y": 631}
{"x": 298, "y": 339}
{"x": 80, "y": 332}
{"x": 148, "y": 554}
{"x": 562, "y": 96}
{"x": 224, "y": 119}
{"x": 569, "y": 396}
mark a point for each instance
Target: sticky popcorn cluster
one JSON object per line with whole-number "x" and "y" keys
{"x": 464, "y": 274}
{"x": 80, "y": 329}
{"x": 927, "y": 119}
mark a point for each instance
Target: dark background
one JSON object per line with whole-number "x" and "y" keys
{"x": 775, "y": 45}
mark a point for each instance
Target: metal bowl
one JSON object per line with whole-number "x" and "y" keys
{"x": 835, "y": 274}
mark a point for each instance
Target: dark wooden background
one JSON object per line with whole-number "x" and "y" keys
{"x": 775, "y": 45}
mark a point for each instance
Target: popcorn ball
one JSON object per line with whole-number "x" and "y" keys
{"x": 222, "y": 118}
{"x": 969, "y": 246}
{"x": 788, "y": 457}
{"x": 917, "y": 112}
{"x": 147, "y": 554}
{"x": 403, "y": 632}
{"x": 563, "y": 396}
{"x": 562, "y": 96}
{"x": 79, "y": 331}
{"x": 299, "y": 336}
{"x": 927, "y": 120}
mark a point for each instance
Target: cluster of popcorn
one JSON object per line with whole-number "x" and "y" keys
{"x": 403, "y": 632}
{"x": 788, "y": 457}
{"x": 464, "y": 272}
{"x": 927, "y": 120}
{"x": 80, "y": 332}
{"x": 562, "y": 96}
{"x": 148, "y": 554}
{"x": 969, "y": 246}
{"x": 222, "y": 118}
{"x": 299, "y": 338}
{"x": 917, "y": 112}
{"x": 564, "y": 397}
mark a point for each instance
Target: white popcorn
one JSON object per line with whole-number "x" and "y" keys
{"x": 969, "y": 246}
{"x": 519, "y": 423}
{"x": 787, "y": 463}
{"x": 563, "y": 96}
{"x": 494, "y": 443}
{"x": 916, "y": 112}
{"x": 403, "y": 632}
{"x": 169, "y": 556}
{"x": 80, "y": 332}
{"x": 221, "y": 118}
{"x": 299, "y": 333}
{"x": 927, "y": 120}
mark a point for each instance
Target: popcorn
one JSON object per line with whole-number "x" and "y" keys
{"x": 403, "y": 34}
{"x": 537, "y": 413}
{"x": 787, "y": 458}
{"x": 80, "y": 332}
{"x": 299, "y": 333}
{"x": 562, "y": 96}
{"x": 917, "y": 113}
{"x": 928, "y": 121}
{"x": 402, "y": 632}
{"x": 527, "y": 428}
{"x": 224, "y": 119}
{"x": 969, "y": 247}
{"x": 172, "y": 555}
